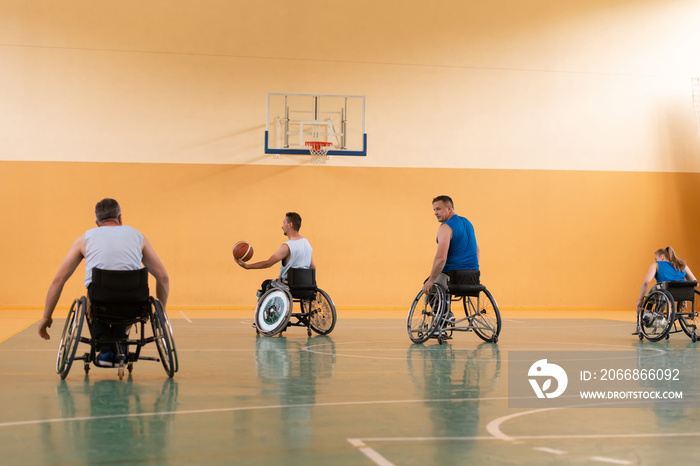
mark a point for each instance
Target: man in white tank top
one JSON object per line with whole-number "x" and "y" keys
{"x": 295, "y": 253}
{"x": 110, "y": 246}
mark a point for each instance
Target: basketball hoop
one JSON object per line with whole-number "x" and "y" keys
{"x": 318, "y": 150}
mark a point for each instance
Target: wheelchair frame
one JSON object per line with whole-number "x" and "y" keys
{"x": 151, "y": 310}
{"x": 317, "y": 309}
{"x": 660, "y": 315}
{"x": 431, "y": 316}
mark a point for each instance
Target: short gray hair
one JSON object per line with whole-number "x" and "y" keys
{"x": 107, "y": 209}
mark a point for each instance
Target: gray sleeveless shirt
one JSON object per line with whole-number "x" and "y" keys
{"x": 112, "y": 248}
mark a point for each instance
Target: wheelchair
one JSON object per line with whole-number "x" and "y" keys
{"x": 669, "y": 308}
{"x": 431, "y": 314}
{"x": 273, "y": 313}
{"x": 117, "y": 298}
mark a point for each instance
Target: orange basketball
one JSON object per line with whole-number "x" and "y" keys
{"x": 243, "y": 250}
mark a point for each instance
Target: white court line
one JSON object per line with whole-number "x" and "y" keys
{"x": 603, "y": 459}
{"x": 494, "y": 427}
{"x": 376, "y": 457}
{"x": 550, "y": 450}
{"x": 234, "y": 409}
{"x": 186, "y": 318}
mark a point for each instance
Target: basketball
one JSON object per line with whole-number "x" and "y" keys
{"x": 243, "y": 250}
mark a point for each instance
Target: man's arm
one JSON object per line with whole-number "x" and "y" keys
{"x": 277, "y": 256}
{"x": 157, "y": 269}
{"x": 444, "y": 237}
{"x": 68, "y": 266}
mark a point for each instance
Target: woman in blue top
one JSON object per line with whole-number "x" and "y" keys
{"x": 668, "y": 267}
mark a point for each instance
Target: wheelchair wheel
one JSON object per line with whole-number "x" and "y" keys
{"x": 657, "y": 315}
{"x": 273, "y": 312}
{"x": 322, "y": 315}
{"x": 71, "y": 336}
{"x": 425, "y": 314}
{"x": 162, "y": 334}
{"x": 689, "y": 317}
{"x": 483, "y": 314}
{"x": 169, "y": 328}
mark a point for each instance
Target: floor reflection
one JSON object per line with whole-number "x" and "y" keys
{"x": 289, "y": 370}
{"x": 452, "y": 381}
{"x": 103, "y": 420}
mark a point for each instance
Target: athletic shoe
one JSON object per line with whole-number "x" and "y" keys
{"x": 105, "y": 359}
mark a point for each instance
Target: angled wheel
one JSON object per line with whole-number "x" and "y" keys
{"x": 273, "y": 311}
{"x": 483, "y": 314}
{"x": 425, "y": 314}
{"x": 657, "y": 315}
{"x": 71, "y": 336}
{"x": 169, "y": 328}
{"x": 322, "y": 315}
{"x": 162, "y": 334}
{"x": 689, "y": 317}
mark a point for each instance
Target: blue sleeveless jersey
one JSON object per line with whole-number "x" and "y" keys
{"x": 462, "y": 253}
{"x": 666, "y": 272}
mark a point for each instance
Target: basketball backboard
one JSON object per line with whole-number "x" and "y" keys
{"x": 295, "y": 119}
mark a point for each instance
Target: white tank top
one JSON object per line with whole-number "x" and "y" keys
{"x": 299, "y": 256}
{"x": 112, "y": 248}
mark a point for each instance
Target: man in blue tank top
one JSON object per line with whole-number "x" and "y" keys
{"x": 110, "y": 246}
{"x": 457, "y": 257}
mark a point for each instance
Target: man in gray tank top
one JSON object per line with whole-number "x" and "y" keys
{"x": 295, "y": 253}
{"x": 110, "y": 246}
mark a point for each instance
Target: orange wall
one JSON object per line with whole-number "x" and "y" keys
{"x": 549, "y": 239}
{"x": 565, "y": 130}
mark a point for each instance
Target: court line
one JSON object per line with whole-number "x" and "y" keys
{"x": 239, "y": 408}
{"x": 375, "y": 457}
{"x": 603, "y": 459}
{"x": 550, "y": 450}
{"x": 186, "y": 318}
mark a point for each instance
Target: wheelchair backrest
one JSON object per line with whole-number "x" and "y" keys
{"x": 301, "y": 278}
{"x": 119, "y": 287}
{"x": 681, "y": 290}
{"x": 302, "y": 283}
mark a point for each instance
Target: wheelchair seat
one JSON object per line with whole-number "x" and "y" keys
{"x": 680, "y": 290}
{"x": 464, "y": 283}
{"x": 465, "y": 290}
{"x": 119, "y": 296}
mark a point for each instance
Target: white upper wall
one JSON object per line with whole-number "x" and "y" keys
{"x": 511, "y": 84}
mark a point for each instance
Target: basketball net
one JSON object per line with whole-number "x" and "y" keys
{"x": 319, "y": 151}
{"x": 696, "y": 99}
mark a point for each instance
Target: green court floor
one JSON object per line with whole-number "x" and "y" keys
{"x": 363, "y": 395}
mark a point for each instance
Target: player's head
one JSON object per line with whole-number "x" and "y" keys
{"x": 668, "y": 254}
{"x": 443, "y": 208}
{"x": 107, "y": 209}
{"x": 447, "y": 200}
{"x": 293, "y": 221}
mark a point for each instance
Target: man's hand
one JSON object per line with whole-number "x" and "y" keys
{"x": 44, "y": 324}
{"x": 241, "y": 263}
{"x": 427, "y": 285}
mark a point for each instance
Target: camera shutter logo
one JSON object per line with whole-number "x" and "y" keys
{"x": 547, "y": 371}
